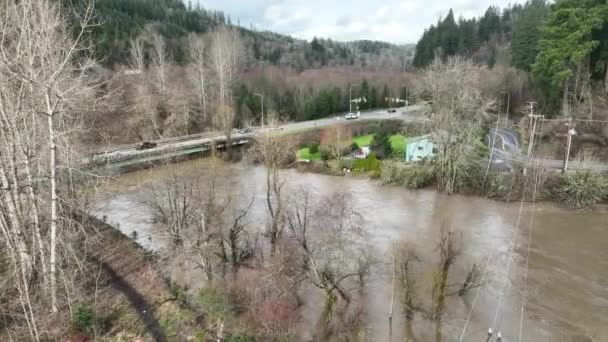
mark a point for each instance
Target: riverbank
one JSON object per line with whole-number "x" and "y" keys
{"x": 577, "y": 189}
{"x": 120, "y": 296}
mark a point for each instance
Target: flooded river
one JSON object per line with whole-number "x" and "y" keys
{"x": 567, "y": 278}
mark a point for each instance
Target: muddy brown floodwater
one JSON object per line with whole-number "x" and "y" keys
{"x": 567, "y": 284}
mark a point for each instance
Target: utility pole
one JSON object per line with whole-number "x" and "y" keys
{"x": 571, "y": 132}
{"x": 262, "y": 99}
{"x": 534, "y": 120}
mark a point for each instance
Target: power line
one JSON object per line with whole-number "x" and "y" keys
{"x": 512, "y": 247}
{"x": 485, "y": 271}
{"x": 533, "y": 216}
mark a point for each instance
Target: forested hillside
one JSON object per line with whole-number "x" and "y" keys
{"x": 564, "y": 45}
{"x": 119, "y": 21}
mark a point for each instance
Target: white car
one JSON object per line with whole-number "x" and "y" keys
{"x": 351, "y": 116}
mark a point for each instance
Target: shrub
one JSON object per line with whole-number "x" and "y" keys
{"x": 240, "y": 337}
{"x": 216, "y": 304}
{"x": 83, "y": 319}
{"x": 370, "y": 163}
{"x": 582, "y": 188}
{"x": 354, "y": 146}
{"x": 348, "y": 163}
{"x": 325, "y": 155}
{"x": 314, "y": 148}
{"x": 414, "y": 176}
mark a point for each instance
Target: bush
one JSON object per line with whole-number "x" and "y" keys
{"x": 240, "y": 337}
{"x": 216, "y": 304}
{"x": 582, "y": 188}
{"x": 83, "y": 319}
{"x": 348, "y": 163}
{"x": 370, "y": 163}
{"x": 325, "y": 155}
{"x": 314, "y": 148}
{"x": 413, "y": 176}
{"x": 354, "y": 146}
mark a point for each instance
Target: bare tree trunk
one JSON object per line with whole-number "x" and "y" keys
{"x": 53, "y": 179}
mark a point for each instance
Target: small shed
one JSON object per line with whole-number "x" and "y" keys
{"x": 362, "y": 153}
{"x": 419, "y": 148}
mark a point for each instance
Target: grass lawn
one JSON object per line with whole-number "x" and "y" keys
{"x": 304, "y": 153}
{"x": 397, "y": 141}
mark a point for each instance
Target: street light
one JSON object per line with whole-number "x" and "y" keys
{"x": 262, "y": 97}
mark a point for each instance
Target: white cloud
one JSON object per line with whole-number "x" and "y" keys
{"x": 399, "y": 21}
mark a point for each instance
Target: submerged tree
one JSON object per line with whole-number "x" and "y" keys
{"x": 274, "y": 152}
{"x": 329, "y": 236}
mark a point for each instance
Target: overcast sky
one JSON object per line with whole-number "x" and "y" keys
{"x": 397, "y": 21}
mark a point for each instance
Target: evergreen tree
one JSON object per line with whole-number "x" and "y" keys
{"x": 385, "y": 97}
{"x": 566, "y": 41}
{"x": 489, "y": 24}
{"x": 449, "y": 35}
{"x": 364, "y": 93}
{"x": 524, "y": 45}
{"x": 381, "y": 144}
{"x": 373, "y": 98}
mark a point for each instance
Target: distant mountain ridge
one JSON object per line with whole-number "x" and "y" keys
{"x": 119, "y": 21}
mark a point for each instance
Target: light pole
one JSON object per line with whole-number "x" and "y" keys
{"x": 262, "y": 99}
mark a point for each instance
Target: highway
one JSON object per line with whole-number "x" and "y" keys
{"x": 202, "y": 141}
{"x": 505, "y": 151}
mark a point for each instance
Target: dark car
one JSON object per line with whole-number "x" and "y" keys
{"x": 146, "y": 145}
{"x": 245, "y": 130}
{"x": 392, "y": 111}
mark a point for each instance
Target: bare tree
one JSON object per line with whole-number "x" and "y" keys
{"x": 46, "y": 87}
{"x": 457, "y": 115}
{"x": 406, "y": 257}
{"x": 223, "y": 121}
{"x": 160, "y": 59}
{"x": 449, "y": 249}
{"x": 329, "y": 236}
{"x": 197, "y": 53}
{"x": 337, "y": 139}
{"x": 227, "y": 53}
{"x": 137, "y": 54}
{"x": 274, "y": 152}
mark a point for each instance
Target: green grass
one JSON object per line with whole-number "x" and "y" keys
{"x": 363, "y": 140}
{"x": 397, "y": 141}
{"x": 304, "y": 153}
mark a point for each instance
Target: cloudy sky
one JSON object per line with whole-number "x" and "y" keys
{"x": 397, "y": 21}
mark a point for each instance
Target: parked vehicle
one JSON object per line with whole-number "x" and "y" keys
{"x": 392, "y": 111}
{"x": 351, "y": 116}
{"x": 245, "y": 130}
{"x": 146, "y": 145}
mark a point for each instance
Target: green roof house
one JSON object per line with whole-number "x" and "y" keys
{"x": 419, "y": 148}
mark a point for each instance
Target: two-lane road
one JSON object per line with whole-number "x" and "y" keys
{"x": 192, "y": 142}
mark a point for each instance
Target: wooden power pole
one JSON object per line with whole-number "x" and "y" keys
{"x": 571, "y": 132}
{"x": 533, "y": 121}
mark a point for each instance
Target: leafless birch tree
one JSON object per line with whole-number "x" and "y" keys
{"x": 197, "y": 53}
{"x": 227, "y": 53}
{"x": 161, "y": 60}
{"x": 45, "y": 79}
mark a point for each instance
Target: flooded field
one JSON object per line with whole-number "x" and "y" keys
{"x": 566, "y": 292}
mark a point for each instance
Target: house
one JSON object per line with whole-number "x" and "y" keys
{"x": 362, "y": 153}
{"x": 419, "y": 148}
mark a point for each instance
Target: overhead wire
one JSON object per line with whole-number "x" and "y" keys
{"x": 527, "y": 268}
